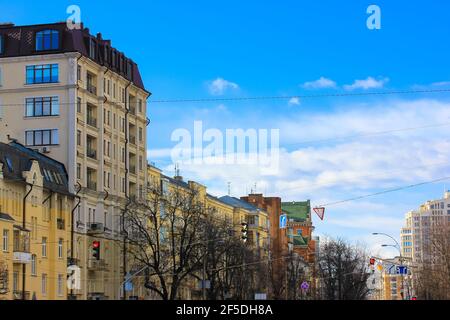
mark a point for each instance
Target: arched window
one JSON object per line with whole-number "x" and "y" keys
{"x": 47, "y": 40}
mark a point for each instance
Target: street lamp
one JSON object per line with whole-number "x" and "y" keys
{"x": 397, "y": 246}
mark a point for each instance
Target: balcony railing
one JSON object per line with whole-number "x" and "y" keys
{"x": 92, "y": 185}
{"x": 91, "y": 154}
{"x": 61, "y": 224}
{"x": 132, "y": 139}
{"x": 92, "y": 121}
{"x": 96, "y": 228}
{"x": 19, "y": 295}
{"x": 99, "y": 265}
{"x": 132, "y": 169}
{"x": 133, "y": 110}
{"x": 91, "y": 88}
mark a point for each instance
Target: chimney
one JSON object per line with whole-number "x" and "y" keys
{"x": 99, "y": 36}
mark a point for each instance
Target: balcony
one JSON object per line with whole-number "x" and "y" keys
{"x": 91, "y": 121}
{"x": 132, "y": 168}
{"x": 132, "y": 139}
{"x": 91, "y": 88}
{"x": 92, "y": 154}
{"x": 92, "y": 185}
{"x": 21, "y": 250}
{"x": 96, "y": 228}
{"x": 61, "y": 224}
{"x": 133, "y": 110}
{"x": 19, "y": 295}
{"x": 97, "y": 265}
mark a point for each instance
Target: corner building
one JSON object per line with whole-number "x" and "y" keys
{"x": 75, "y": 98}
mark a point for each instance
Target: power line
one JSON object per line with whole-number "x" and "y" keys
{"x": 385, "y": 191}
{"x": 309, "y": 96}
{"x": 301, "y": 96}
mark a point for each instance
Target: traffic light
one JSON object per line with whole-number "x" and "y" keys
{"x": 244, "y": 231}
{"x": 96, "y": 250}
{"x": 372, "y": 261}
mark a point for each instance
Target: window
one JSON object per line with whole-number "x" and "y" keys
{"x": 15, "y": 281}
{"x": 92, "y": 48}
{"x": 41, "y": 137}
{"x": 78, "y": 171}
{"x": 42, "y": 107}
{"x": 44, "y": 284}
{"x": 78, "y": 72}
{"x": 79, "y": 105}
{"x": 47, "y": 40}
{"x": 299, "y": 232}
{"x": 33, "y": 265}
{"x": 60, "y": 248}
{"x": 44, "y": 247}
{"x": 5, "y": 240}
{"x": 1, "y": 44}
{"x": 78, "y": 137}
{"x": 60, "y": 285}
{"x": 46, "y": 73}
{"x": 140, "y": 105}
{"x": 141, "y": 136}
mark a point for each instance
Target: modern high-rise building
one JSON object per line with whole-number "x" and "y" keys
{"x": 419, "y": 228}
{"x": 420, "y": 236}
{"x": 77, "y": 99}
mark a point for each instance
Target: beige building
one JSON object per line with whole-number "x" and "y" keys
{"x": 75, "y": 98}
{"x": 35, "y": 224}
{"x": 420, "y": 227}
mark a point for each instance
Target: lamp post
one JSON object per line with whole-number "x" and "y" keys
{"x": 397, "y": 246}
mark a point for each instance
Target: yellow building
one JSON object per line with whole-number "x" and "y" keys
{"x": 35, "y": 223}
{"x": 79, "y": 100}
{"x": 230, "y": 210}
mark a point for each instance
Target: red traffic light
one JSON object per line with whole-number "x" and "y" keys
{"x": 414, "y": 298}
{"x": 96, "y": 244}
{"x": 372, "y": 261}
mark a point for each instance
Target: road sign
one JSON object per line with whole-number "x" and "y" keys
{"x": 283, "y": 221}
{"x": 320, "y": 212}
{"x": 304, "y": 286}
{"x": 260, "y": 296}
{"x": 128, "y": 283}
{"x": 402, "y": 270}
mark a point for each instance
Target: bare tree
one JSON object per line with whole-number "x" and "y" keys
{"x": 165, "y": 237}
{"x": 433, "y": 275}
{"x": 297, "y": 270}
{"x": 343, "y": 271}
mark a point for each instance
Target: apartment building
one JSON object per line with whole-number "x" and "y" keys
{"x": 230, "y": 210}
{"x": 420, "y": 225}
{"x": 77, "y": 99}
{"x": 35, "y": 223}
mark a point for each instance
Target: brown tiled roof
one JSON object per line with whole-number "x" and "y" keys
{"x": 20, "y": 41}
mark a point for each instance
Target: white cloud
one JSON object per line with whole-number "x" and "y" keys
{"x": 369, "y": 83}
{"x": 337, "y": 162}
{"x": 441, "y": 84}
{"x": 220, "y": 86}
{"x": 294, "y": 101}
{"x": 321, "y": 83}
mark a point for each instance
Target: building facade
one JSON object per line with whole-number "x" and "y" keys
{"x": 74, "y": 97}
{"x": 35, "y": 222}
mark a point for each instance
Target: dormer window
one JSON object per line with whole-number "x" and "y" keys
{"x": 92, "y": 49}
{"x": 47, "y": 40}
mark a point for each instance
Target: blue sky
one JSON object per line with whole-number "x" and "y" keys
{"x": 254, "y": 48}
